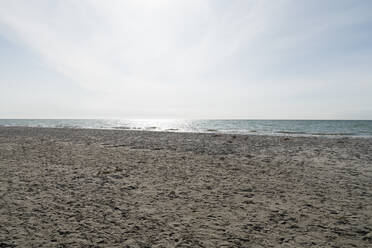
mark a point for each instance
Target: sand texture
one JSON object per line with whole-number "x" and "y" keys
{"x": 106, "y": 188}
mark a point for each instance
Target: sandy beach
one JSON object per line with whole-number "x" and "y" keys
{"x": 107, "y": 188}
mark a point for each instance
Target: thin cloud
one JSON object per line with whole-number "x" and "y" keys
{"x": 156, "y": 54}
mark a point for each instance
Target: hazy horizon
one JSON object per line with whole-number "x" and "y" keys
{"x": 255, "y": 59}
{"x": 217, "y": 119}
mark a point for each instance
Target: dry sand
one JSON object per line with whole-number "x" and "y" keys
{"x": 105, "y": 188}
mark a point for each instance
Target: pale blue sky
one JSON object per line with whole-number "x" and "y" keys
{"x": 283, "y": 59}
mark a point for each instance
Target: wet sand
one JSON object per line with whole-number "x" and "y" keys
{"x": 106, "y": 188}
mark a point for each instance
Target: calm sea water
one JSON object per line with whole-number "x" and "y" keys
{"x": 271, "y": 127}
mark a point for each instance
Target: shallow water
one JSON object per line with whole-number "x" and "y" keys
{"x": 271, "y": 127}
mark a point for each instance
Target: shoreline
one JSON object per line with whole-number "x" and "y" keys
{"x": 250, "y": 133}
{"x": 128, "y": 188}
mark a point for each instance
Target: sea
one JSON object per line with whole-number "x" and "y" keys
{"x": 332, "y": 128}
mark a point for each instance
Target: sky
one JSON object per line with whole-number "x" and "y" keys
{"x": 200, "y": 59}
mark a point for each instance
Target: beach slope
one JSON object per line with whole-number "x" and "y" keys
{"x": 106, "y": 188}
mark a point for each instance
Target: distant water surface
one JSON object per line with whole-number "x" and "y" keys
{"x": 268, "y": 127}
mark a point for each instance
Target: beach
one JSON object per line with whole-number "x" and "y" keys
{"x": 63, "y": 187}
